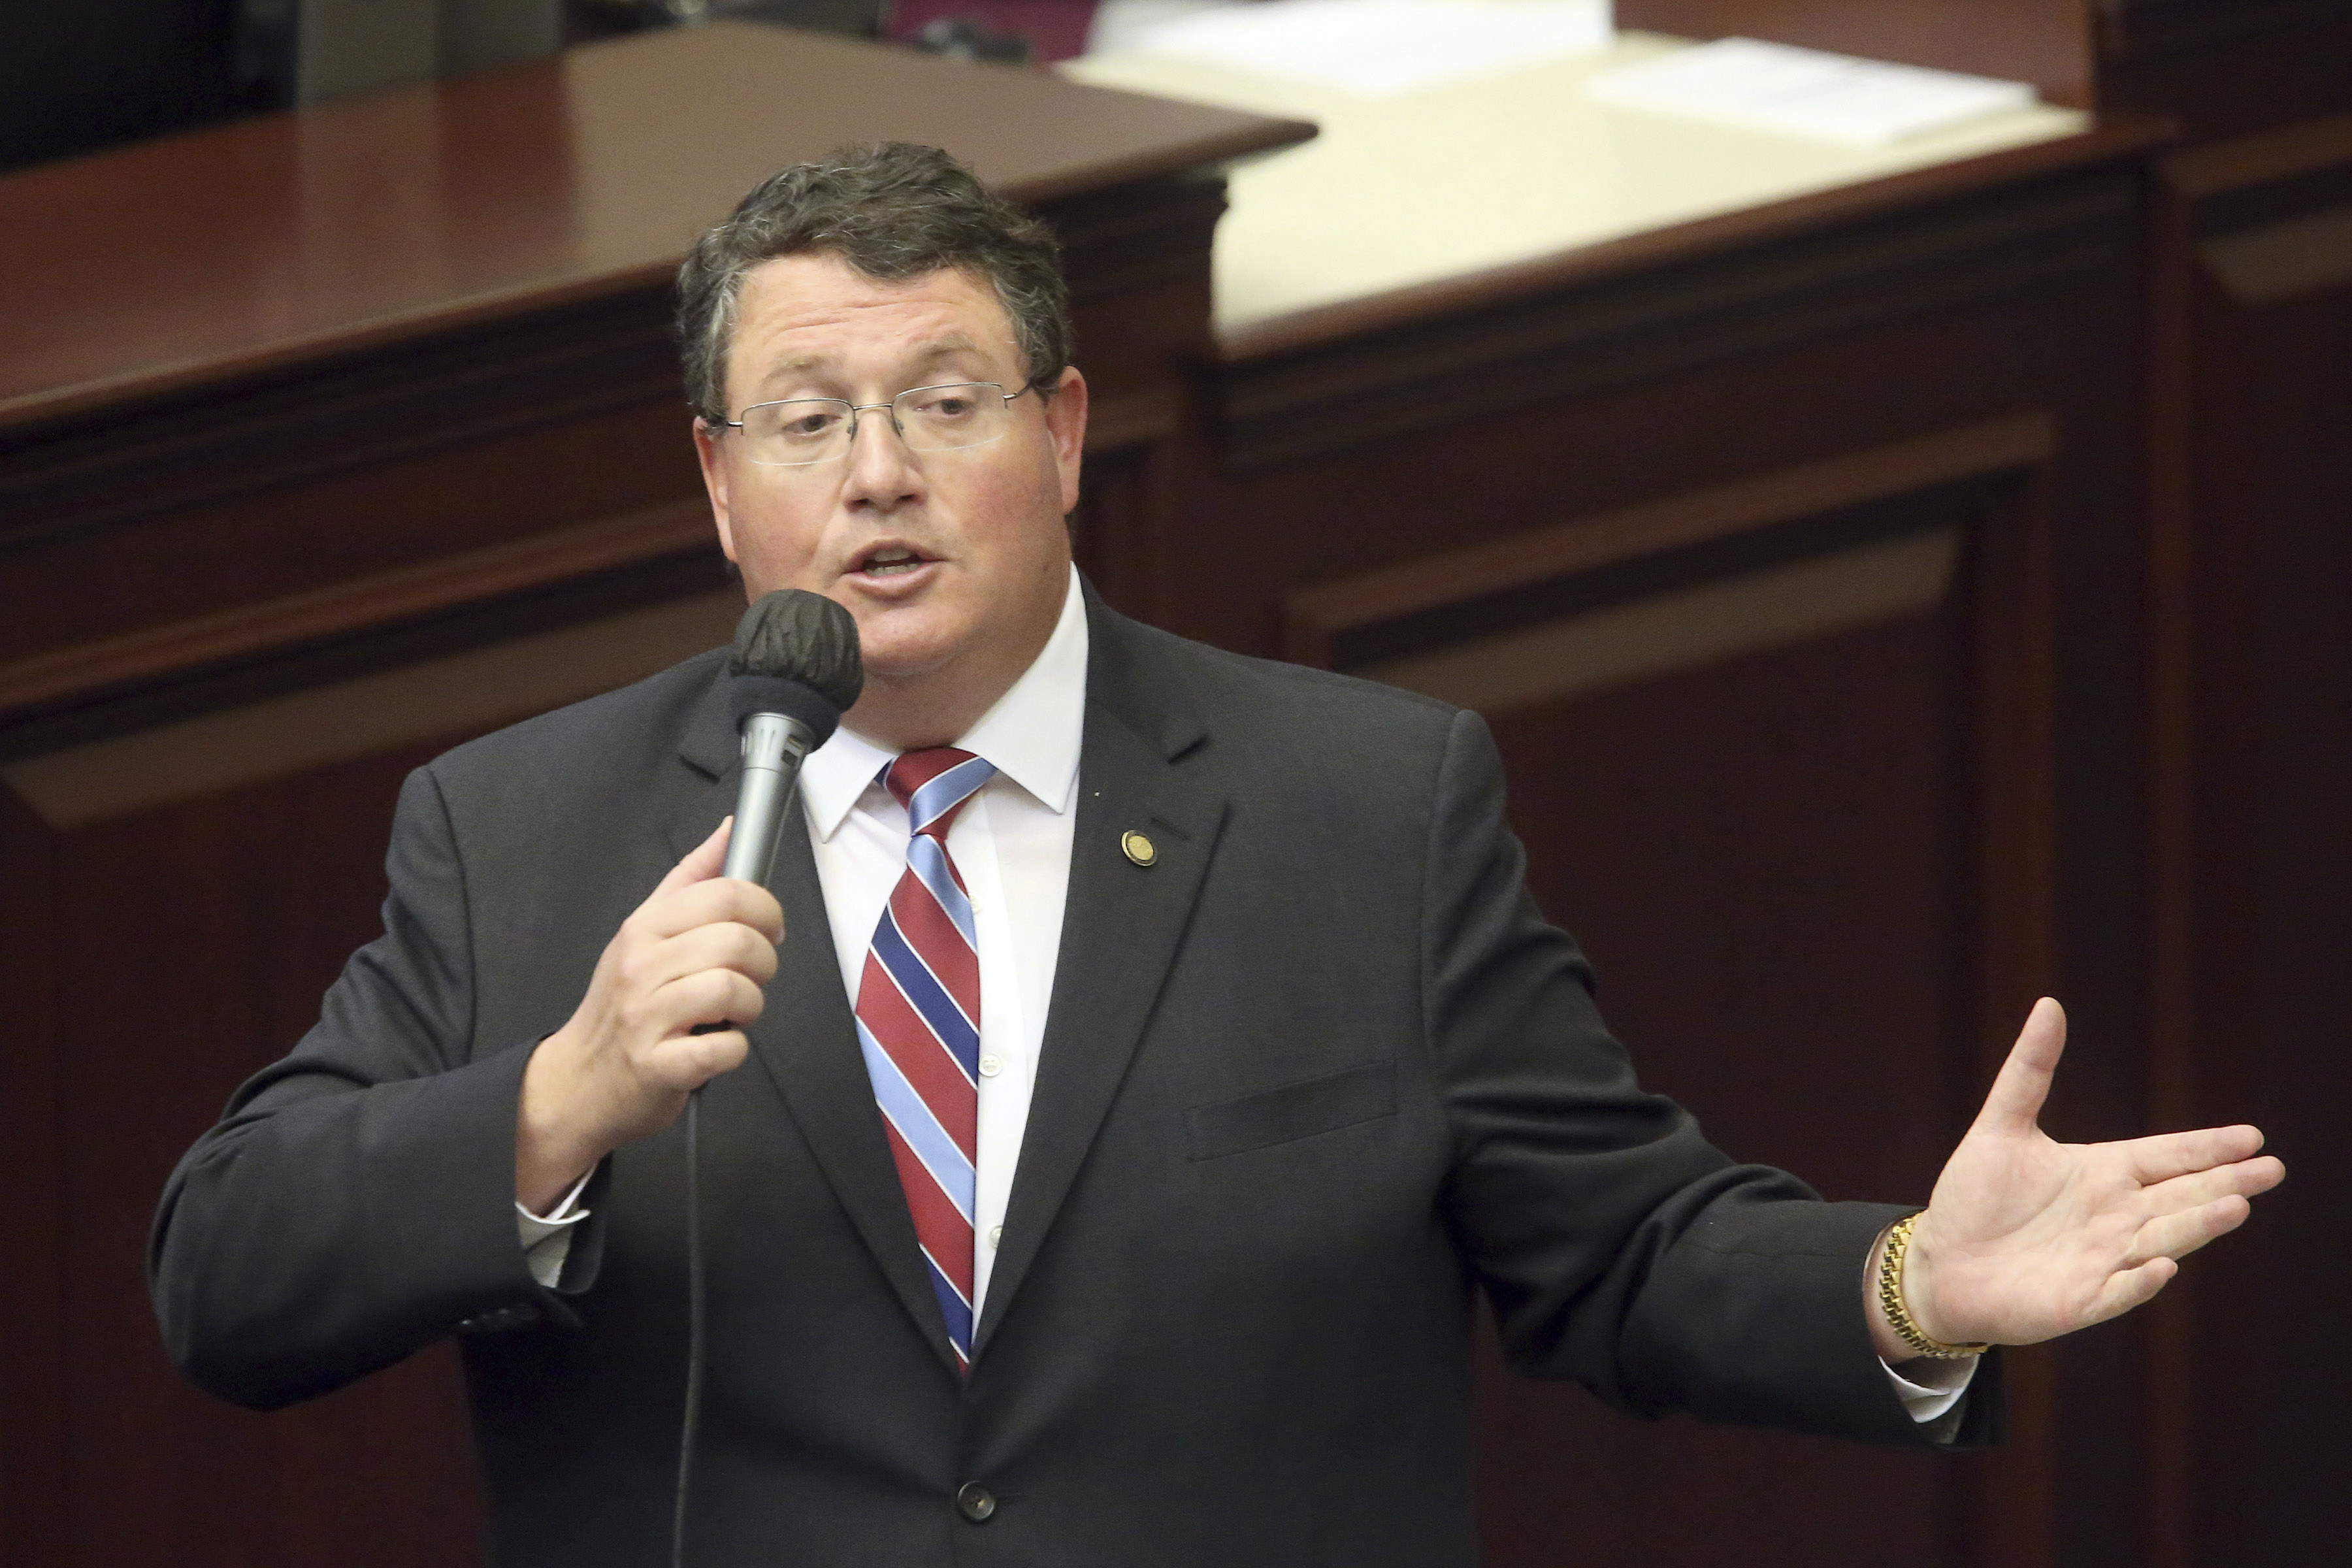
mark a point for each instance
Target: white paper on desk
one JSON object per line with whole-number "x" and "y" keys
{"x": 1379, "y": 48}
{"x": 1805, "y": 92}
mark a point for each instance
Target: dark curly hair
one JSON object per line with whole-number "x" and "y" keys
{"x": 894, "y": 211}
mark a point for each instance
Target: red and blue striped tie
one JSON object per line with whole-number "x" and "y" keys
{"x": 919, "y": 1025}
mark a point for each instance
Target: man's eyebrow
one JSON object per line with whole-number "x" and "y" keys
{"x": 793, "y": 366}
{"x": 940, "y": 348}
{"x": 925, "y": 353}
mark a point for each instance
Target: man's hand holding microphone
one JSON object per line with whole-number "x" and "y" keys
{"x": 685, "y": 976}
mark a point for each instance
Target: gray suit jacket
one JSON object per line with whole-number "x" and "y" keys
{"x": 1310, "y": 1083}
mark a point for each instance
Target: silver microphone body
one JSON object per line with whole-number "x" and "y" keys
{"x": 774, "y": 746}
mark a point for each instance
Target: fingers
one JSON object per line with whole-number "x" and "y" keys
{"x": 2132, "y": 1288}
{"x": 698, "y": 952}
{"x": 2245, "y": 1178}
{"x": 688, "y": 1062}
{"x": 2178, "y": 1235}
{"x": 710, "y": 977}
{"x": 661, "y": 1048}
{"x": 728, "y": 945}
{"x": 2023, "y": 1083}
{"x": 680, "y": 1060}
{"x": 713, "y": 901}
{"x": 696, "y": 879}
{"x": 701, "y": 863}
{"x": 2170, "y": 1155}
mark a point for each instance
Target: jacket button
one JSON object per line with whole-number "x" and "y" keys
{"x": 975, "y": 1502}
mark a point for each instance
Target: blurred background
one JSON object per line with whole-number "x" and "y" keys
{"x": 1877, "y": 464}
{"x": 78, "y": 77}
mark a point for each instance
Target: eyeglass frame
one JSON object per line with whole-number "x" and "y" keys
{"x": 850, "y": 445}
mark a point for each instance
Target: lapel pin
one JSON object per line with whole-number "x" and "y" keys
{"x": 1139, "y": 848}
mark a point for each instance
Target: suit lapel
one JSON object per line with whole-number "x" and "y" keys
{"x": 806, "y": 1042}
{"x": 1121, "y": 926}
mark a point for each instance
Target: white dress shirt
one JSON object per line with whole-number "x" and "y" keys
{"x": 1012, "y": 844}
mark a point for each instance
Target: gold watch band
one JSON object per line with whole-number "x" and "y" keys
{"x": 1890, "y": 1297}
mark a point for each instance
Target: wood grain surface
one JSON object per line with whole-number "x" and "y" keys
{"x": 239, "y": 249}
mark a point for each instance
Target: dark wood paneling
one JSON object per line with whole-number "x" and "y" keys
{"x": 630, "y": 542}
{"x": 2045, "y": 42}
{"x": 262, "y": 892}
{"x": 2225, "y": 68}
{"x": 2250, "y": 329}
{"x": 245, "y": 557}
{"x": 1857, "y": 856}
{"x": 198, "y": 893}
{"x": 1762, "y": 856}
{"x": 32, "y": 1374}
{"x": 2252, "y": 687}
{"x": 1816, "y": 876}
{"x": 1542, "y": 573}
{"x": 1139, "y": 262}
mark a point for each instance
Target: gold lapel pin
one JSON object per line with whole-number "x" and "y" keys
{"x": 1139, "y": 848}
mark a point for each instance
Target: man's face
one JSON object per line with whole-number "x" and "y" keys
{"x": 954, "y": 563}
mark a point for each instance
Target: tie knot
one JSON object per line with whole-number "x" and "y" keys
{"x": 933, "y": 783}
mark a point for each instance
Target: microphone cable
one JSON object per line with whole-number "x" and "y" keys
{"x": 793, "y": 670}
{"x": 694, "y": 1315}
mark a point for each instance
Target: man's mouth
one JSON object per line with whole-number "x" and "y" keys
{"x": 889, "y": 561}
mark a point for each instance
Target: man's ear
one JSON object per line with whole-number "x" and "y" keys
{"x": 1065, "y": 423}
{"x": 714, "y": 481}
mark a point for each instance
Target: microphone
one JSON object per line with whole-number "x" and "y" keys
{"x": 794, "y": 668}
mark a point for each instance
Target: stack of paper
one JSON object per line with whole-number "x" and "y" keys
{"x": 1377, "y": 49}
{"x": 1804, "y": 92}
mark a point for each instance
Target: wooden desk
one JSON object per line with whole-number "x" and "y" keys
{"x": 1494, "y": 172}
{"x": 210, "y": 337}
{"x": 327, "y": 440}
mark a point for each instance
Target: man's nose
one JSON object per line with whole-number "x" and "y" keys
{"x": 882, "y": 473}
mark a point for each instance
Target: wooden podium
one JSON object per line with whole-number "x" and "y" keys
{"x": 326, "y": 440}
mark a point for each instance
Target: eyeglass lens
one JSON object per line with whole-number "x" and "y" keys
{"x": 804, "y": 430}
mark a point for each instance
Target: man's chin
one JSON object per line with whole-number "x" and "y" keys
{"x": 896, "y": 653}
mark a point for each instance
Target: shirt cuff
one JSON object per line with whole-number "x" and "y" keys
{"x": 1929, "y": 1387}
{"x": 547, "y": 1238}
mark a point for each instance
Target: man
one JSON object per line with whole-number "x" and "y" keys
{"x": 1163, "y": 1053}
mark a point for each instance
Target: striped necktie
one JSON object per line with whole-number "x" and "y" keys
{"x": 918, "y": 1025}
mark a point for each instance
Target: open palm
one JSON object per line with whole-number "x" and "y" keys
{"x": 2027, "y": 1238}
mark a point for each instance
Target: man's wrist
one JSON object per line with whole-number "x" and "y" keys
{"x": 562, "y": 1213}
{"x": 1890, "y": 1345}
{"x": 555, "y": 1147}
{"x": 1901, "y": 1294}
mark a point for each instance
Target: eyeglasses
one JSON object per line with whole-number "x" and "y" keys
{"x": 800, "y": 432}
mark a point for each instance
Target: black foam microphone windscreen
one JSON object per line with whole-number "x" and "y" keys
{"x": 794, "y": 669}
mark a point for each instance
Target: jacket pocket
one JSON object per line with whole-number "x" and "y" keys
{"x": 1295, "y": 1111}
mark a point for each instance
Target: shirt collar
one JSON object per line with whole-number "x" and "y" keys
{"x": 1032, "y": 734}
